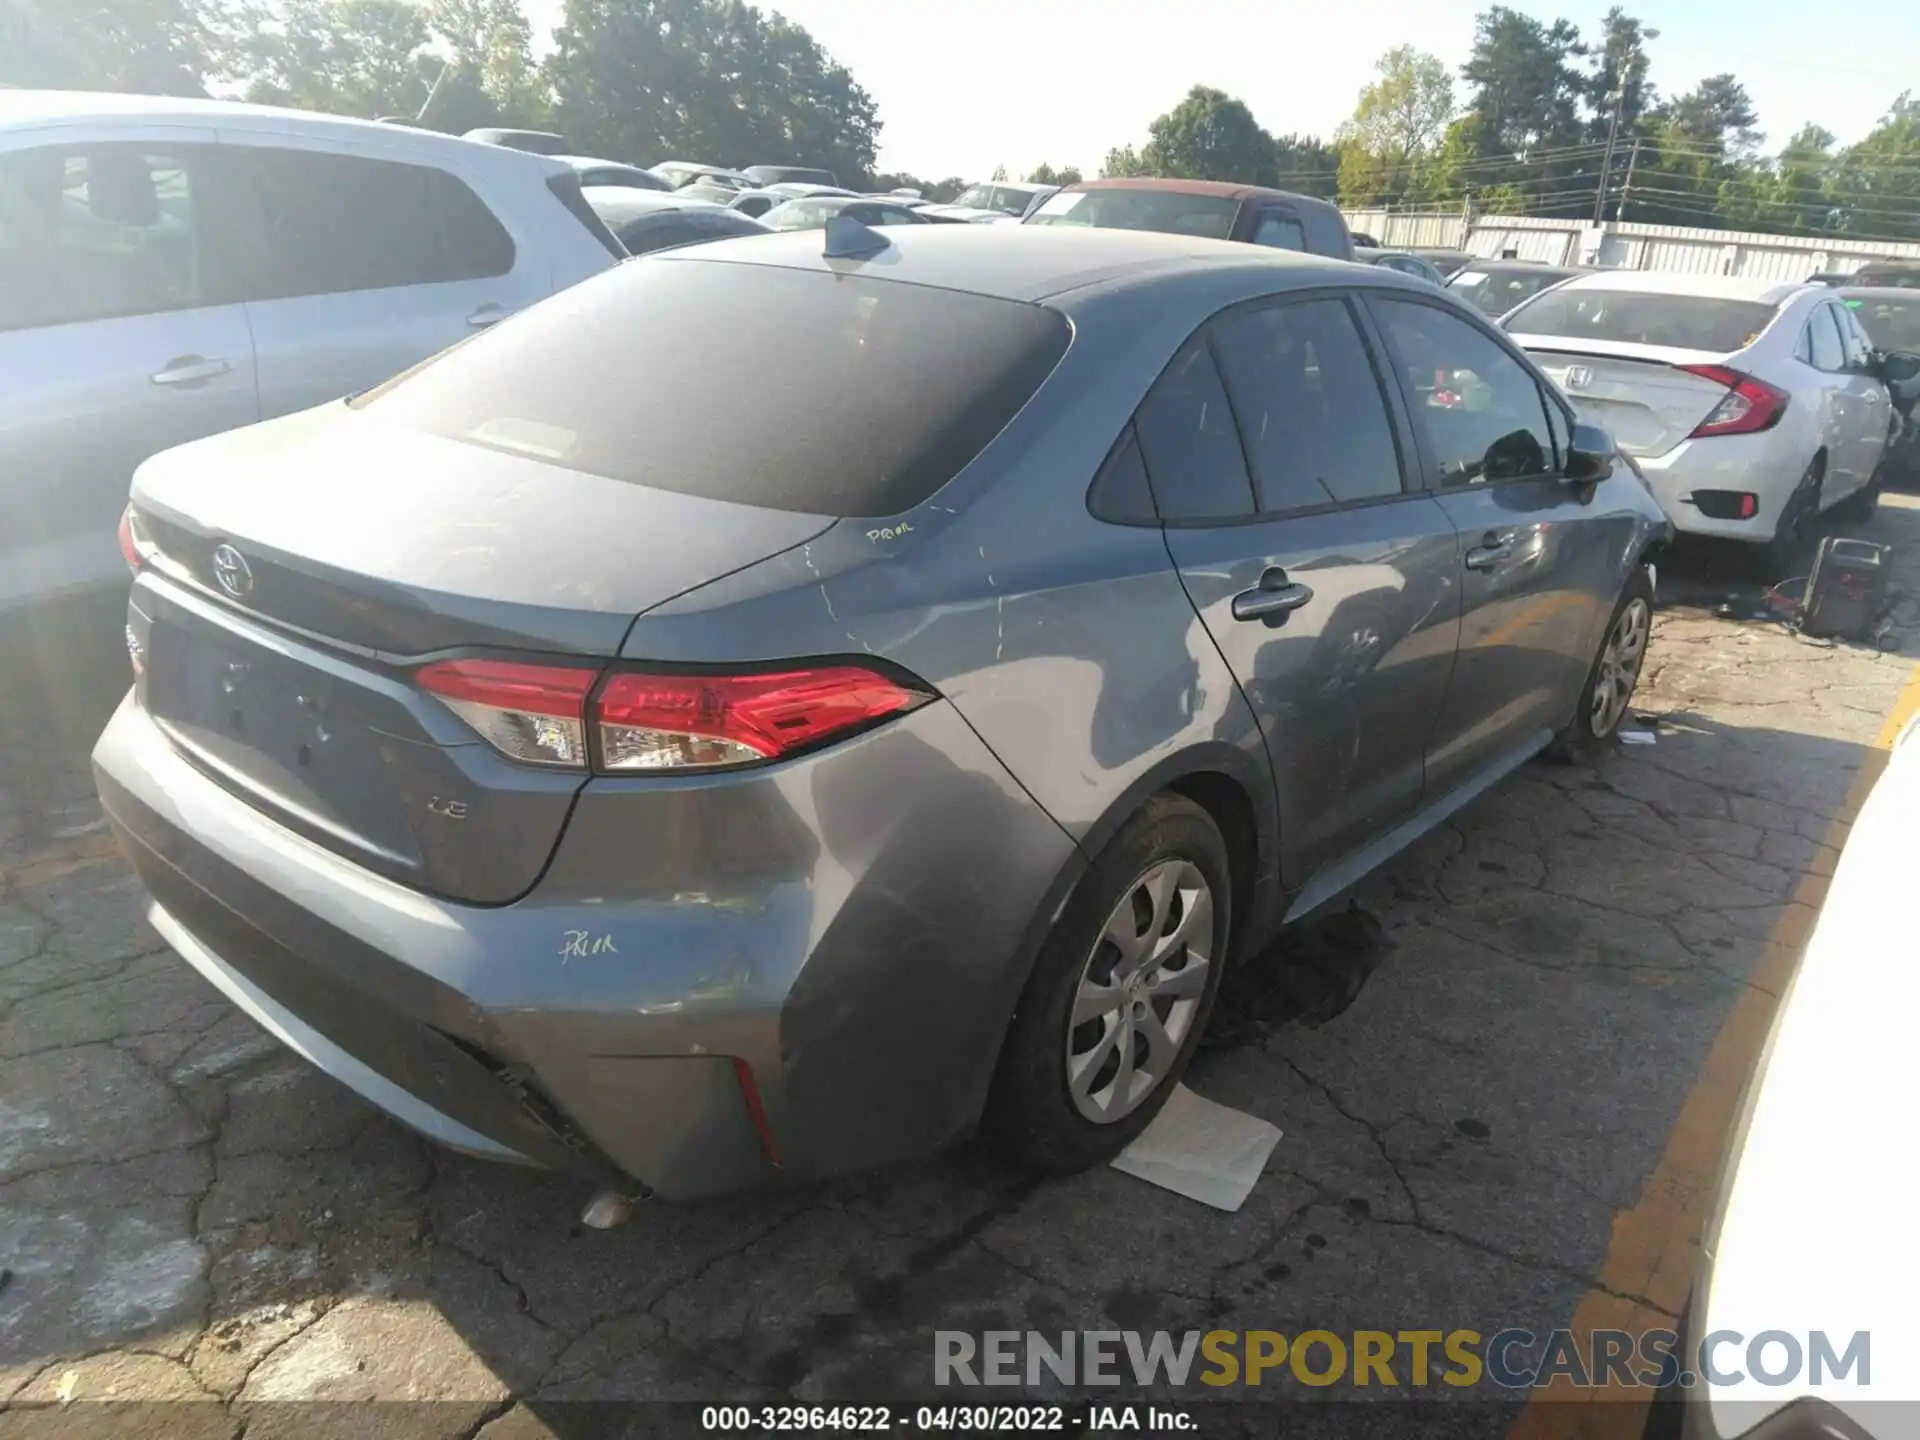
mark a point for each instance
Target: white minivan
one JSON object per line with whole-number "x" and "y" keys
{"x": 171, "y": 268}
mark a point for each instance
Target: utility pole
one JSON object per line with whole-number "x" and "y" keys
{"x": 1613, "y": 134}
{"x": 1626, "y": 188}
{"x": 427, "y": 104}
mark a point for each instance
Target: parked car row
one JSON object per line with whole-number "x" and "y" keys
{"x": 830, "y": 508}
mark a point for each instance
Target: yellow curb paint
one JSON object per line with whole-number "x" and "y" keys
{"x": 1655, "y": 1244}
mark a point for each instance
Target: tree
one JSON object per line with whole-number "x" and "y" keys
{"x": 1802, "y": 202}
{"x": 1208, "y": 136}
{"x": 1527, "y": 124}
{"x": 1716, "y": 115}
{"x": 1620, "y": 76}
{"x": 1527, "y": 90}
{"x": 712, "y": 80}
{"x": 351, "y": 57}
{"x": 1308, "y": 164}
{"x": 1398, "y": 123}
{"x": 494, "y": 77}
{"x": 1876, "y": 186}
{"x": 165, "y": 47}
{"x": 1122, "y": 163}
{"x": 1045, "y": 174}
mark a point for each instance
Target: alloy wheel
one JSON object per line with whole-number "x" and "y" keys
{"x": 1140, "y": 991}
{"x": 1620, "y": 661}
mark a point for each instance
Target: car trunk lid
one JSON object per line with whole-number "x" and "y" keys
{"x": 1639, "y": 394}
{"x": 303, "y": 571}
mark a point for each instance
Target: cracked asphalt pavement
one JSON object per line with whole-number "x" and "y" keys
{"x": 190, "y": 1213}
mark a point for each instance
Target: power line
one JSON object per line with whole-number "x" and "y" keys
{"x": 1669, "y": 207}
{"x": 1912, "y": 214}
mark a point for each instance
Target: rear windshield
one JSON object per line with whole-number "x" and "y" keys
{"x": 1682, "y": 322}
{"x": 1168, "y": 210}
{"x": 792, "y": 389}
{"x": 1003, "y": 198}
{"x": 1893, "y": 323}
{"x": 1495, "y": 292}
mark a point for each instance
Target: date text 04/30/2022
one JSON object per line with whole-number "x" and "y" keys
{"x": 943, "y": 1419}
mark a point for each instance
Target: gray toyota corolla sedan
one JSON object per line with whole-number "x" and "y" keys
{"x": 766, "y": 711}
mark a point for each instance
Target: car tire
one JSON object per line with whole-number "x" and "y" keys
{"x": 1067, "y": 1096}
{"x": 1608, "y": 694}
{"x": 1860, "y": 507}
{"x": 1797, "y": 518}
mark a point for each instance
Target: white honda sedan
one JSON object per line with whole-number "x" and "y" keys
{"x": 1751, "y": 406}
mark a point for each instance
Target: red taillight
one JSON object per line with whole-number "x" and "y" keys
{"x": 135, "y": 548}
{"x": 1749, "y": 405}
{"x": 543, "y": 713}
{"x": 697, "y": 722}
{"x": 529, "y": 712}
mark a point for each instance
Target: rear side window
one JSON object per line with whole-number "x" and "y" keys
{"x": 339, "y": 223}
{"x": 791, "y": 389}
{"x": 1823, "y": 341}
{"x": 93, "y": 232}
{"x": 1682, "y": 322}
{"x": 1309, "y": 405}
{"x": 1282, "y": 232}
{"x": 1187, "y": 439}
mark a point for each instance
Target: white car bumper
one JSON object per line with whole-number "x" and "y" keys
{"x": 1768, "y": 466}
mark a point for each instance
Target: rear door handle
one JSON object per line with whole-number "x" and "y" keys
{"x": 491, "y": 313}
{"x": 190, "y": 369}
{"x": 1275, "y": 598}
{"x": 1494, "y": 546}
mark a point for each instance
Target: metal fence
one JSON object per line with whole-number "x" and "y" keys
{"x": 1627, "y": 246}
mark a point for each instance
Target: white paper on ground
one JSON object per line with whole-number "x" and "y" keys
{"x": 1201, "y": 1150}
{"x": 1638, "y": 737}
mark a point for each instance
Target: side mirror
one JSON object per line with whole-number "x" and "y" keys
{"x": 1894, "y": 366}
{"x": 1590, "y": 456}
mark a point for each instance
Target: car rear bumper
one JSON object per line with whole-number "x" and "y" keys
{"x": 1768, "y": 466}
{"x": 853, "y": 927}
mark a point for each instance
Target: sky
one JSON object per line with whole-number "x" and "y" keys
{"x": 965, "y": 87}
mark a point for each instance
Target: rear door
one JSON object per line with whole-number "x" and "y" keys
{"x": 1541, "y": 559}
{"x": 1326, "y": 582}
{"x": 370, "y": 265}
{"x": 1866, "y": 392}
{"x": 119, "y": 337}
{"x": 1840, "y": 402}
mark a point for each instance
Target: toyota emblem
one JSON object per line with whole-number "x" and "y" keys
{"x": 230, "y": 568}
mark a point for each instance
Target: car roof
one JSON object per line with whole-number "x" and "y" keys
{"x": 28, "y": 109}
{"x": 1722, "y": 287}
{"x": 584, "y": 162}
{"x": 1224, "y": 189}
{"x": 1033, "y": 262}
{"x": 1881, "y": 292}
